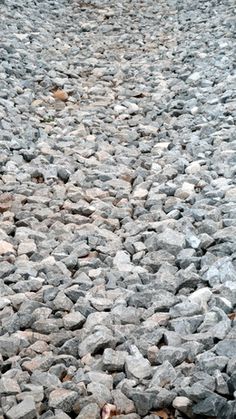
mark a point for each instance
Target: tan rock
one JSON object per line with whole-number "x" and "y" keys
{"x": 6, "y": 247}
{"x": 60, "y": 95}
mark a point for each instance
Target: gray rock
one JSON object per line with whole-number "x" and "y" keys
{"x": 117, "y": 238}
{"x": 24, "y": 410}
{"x": 220, "y": 272}
{"x": 113, "y": 360}
{"x": 186, "y": 325}
{"x": 99, "y": 340}
{"x": 138, "y": 367}
{"x": 101, "y": 378}
{"x": 123, "y": 404}
{"x": 184, "y": 405}
{"x": 185, "y": 309}
{"x": 45, "y": 379}
{"x": 174, "y": 355}
{"x": 100, "y": 393}
{"x": 143, "y": 401}
{"x": 92, "y": 411}
{"x": 62, "y": 302}
{"x": 163, "y": 375}
{"x": 209, "y": 362}
{"x": 8, "y": 387}
{"x": 128, "y": 416}
{"x": 62, "y": 399}
{"x": 213, "y": 405}
{"x": 9, "y": 345}
{"x": 226, "y": 347}
{"x": 171, "y": 240}
{"x": 221, "y": 383}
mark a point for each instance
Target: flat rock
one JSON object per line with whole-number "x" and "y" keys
{"x": 171, "y": 240}
{"x": 24, "y": 410}
{"x": 63, "y": 399}
{"x": 163, "y": 375}
{"x": 113, "y": 360}
{"x": 138, "y": 367}
{"x": 98, "y": 340}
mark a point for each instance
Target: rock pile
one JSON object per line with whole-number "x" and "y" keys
{"x": 118, "y": 209}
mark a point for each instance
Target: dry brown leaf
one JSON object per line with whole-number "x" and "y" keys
{"x": 164, "y": 414}
{"x": 232, "y": 316}
{"x": 67, "y": 378}
{"x": 108, "y": 411}
{"x": 60, "y": 95}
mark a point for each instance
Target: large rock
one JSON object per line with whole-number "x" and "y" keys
{"x": 63, "y": 399}
{"x": 138, "y": 367}
{"x": 214, "y": 405}
{"x": 171, "y": 240}
{"x": 24, "y": 410}
{"x": 113, "y": 360}
{"x": 163, "y": 375}
{"x": 97, "y": 341}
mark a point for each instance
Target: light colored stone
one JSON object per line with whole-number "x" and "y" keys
{"x": 138, "y": 367}
{"x": 24, "y": 410}
{"x": 183, "y": 404}
{"x": 6, "y": 247}
{"x": 27, "y": 248}
{"x": 73, "y": 321}
{"x": 62, "y": 399}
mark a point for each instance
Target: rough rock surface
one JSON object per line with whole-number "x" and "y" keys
{"x": 117, "y": 209}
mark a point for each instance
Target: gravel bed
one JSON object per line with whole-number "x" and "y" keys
{"x": 117, "y": 209}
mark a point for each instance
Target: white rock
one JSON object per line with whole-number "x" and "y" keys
{"x": 4, "y": 302}
{"x": 201, "y": 297}
{"x": 6, "y": 247}
{"x": 186, "y": 190}
{"x": 193, "y": 168}
{"x": 183, "y": 404}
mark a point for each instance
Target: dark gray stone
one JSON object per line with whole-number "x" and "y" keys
{"x": 174, "y": 355}
{"x": 213, "y": 405}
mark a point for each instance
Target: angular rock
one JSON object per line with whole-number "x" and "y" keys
{"x": 113, "y": 360}
{"x": 138, "y": 367}
{"x": 63, "y": 399}
{"x": 24, "y": 410}
{"x": 174, "y": 355}
{"x": 91, "y": 411}
{"x": 73, "y": 321}
{"x": 97, "y": 341}
{"x": 214, "y": 405}
{"x": 163, "y": 375}
{"x": 171, "y": 240}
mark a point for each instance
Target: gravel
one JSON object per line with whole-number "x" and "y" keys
{"x": 117, "y": 208}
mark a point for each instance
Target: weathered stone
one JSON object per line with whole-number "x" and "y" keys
{"x": 73, "y": 321}
{"x": 171, "y": 240}
{"x": 138, "y": 367}
{"x": 91, "y": 411}
{"x": 212, "y": 405}
{"x": 226, "y": 347}
{"x": 8, "y": 386}
{"x": 24, "y": 410}
{"x": 6, "y": 247}
{"x": 113, "y": 360}
{"x": 62, "y": 399}
{"x": 100, "y": 393}
{"x": 99, "y": 340}
{"x": 185, "y": 309}
{"x": 122, "y": 403}
{"x": 117, "y": 238}
{"x": 174, "y": 355}
{"x": 164, "y": 374}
